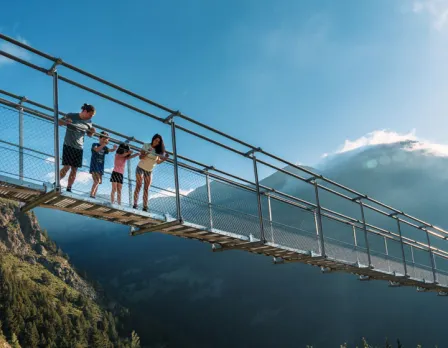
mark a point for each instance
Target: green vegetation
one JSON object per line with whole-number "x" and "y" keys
{"x": 37, "y": 309}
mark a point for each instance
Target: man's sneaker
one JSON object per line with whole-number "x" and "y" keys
{"x": 69, "y": 189}
{"x": 134, "y": 206}
{"x": 145, "y": 209}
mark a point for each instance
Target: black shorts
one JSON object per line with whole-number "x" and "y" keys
{"x": 116, "y": 177}
{"x": 71, "y": 156}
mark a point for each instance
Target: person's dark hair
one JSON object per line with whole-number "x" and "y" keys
{"x": 88, "y": 108}
{"x": 104, "y": 134}
{"x": 160, "y": 149}
{"x": 123, "y": 148}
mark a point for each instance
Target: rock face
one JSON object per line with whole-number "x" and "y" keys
{"x": 21, "y": 235}
{"x": 3, "y": 343}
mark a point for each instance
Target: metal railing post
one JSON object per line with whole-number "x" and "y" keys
{"x": 209, "y": 200}
{"x": 21, "y": 139}
{"x": 260, "y": 211}
{"x": 130, "y": 183}
{"x": 176, "y": 170}
{"x": 270, "y": 218}
{"x": 356, "y": 243}
{"x": 402, "y": 249}
{"x": 431, "y": 256}
{"x": 364, "y": 227}
{"x": 318, "y": 220}
{"x": 387, "y": 253}
{"x": 56, "y": 130}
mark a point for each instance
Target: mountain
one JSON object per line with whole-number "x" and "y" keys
{"x": 181, "y": 294}
{"x": 44, "y": 302}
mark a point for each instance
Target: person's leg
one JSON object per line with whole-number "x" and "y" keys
{"x": 148, "y": 180}
{"x": 72, "y": 177}
{"x": 96, "y": 181}
{"x": 100, "y": 181}
{"x": 119, "y": 186}
{"x": 66, "y": 163}
{"x": 112, "y": 193}
{"x": 63, "y": 171}
{"x": 138, "y": 186}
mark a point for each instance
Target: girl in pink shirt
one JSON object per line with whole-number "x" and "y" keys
{"x": 123, "y": 154}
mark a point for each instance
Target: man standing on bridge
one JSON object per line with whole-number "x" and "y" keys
{"x": 78, "y": 124}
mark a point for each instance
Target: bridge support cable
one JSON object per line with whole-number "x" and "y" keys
{"x": 57, "y": 178}
{"x": 364, "y": 226}
{"x": 318, "y": 221}
{"x": 402, "y": 249}
{"x": 176, "y": 171}
{"x": 260, "y": 210}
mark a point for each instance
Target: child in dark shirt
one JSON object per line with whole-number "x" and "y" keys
{"x": 99, "y": 152}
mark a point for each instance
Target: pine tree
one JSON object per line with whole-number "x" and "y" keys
{"x": 135, "y": 340}
{"x": 31, "y": 336}
{"x": 14, "y": 341}
{"x": 43, "y": 341}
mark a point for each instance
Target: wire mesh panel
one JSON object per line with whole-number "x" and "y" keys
{"x": 441, "y": 269}
{"x": 378, "y": 252}
{"x": 291, "y": 227}
{"x": 339, "y": 241}
{"x": 27, "y": 145}
{"x": 395, "y": 256}
{"x": 234, "y": 209}
{"x": 420, "y": 268}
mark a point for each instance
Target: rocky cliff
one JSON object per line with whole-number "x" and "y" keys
{"x": 21, "y": 235}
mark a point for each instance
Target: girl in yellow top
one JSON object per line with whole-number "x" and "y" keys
{"x": 151, "y": 155}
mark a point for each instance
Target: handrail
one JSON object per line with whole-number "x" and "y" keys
{"x": 174, "y": 113}
{"x": 288, "y": 199}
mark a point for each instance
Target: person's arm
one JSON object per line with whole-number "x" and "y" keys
{"x": 113, "y": 149}
{"x": 162, "y": 159}
{"x": 64, "y": 121}
{"x": 98, "y": 148}
{"x": 91, "y": 131}
{"x": 134, "y": 155}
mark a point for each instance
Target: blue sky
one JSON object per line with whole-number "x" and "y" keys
{"x": 297, "y": 78}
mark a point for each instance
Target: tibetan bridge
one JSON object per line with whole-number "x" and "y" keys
{"x": 312, "y": 219}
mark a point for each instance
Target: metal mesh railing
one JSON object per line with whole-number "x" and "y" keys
{"x": 219, "y": 204}
{"x": 369, "y": 237}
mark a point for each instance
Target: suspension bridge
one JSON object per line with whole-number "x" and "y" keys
{"x": 193, "y": 200}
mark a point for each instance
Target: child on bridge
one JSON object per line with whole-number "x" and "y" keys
{"x": 123, "y": 155}
{"x": 99, "y": 152}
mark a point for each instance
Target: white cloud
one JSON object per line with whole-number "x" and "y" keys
{"x": 14, "y": 50}
{"x": 380, "y": 137}
{"x": 376, "y": 138}
{"x": 436, "y": 9}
